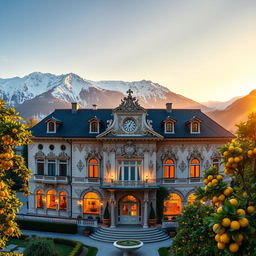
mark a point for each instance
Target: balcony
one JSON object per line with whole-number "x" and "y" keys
{"x": 51, "y": 179}
{"x": 85, "y": 180}
{"x": 129, "y": 184}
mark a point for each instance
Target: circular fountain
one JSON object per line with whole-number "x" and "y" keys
{"x": 128, "y": 246}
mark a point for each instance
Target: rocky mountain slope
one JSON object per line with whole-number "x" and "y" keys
{"x": 37, "y": 94}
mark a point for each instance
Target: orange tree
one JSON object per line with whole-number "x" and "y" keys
{"x": 12, "y": 133}
{"x": 234, "y": 220}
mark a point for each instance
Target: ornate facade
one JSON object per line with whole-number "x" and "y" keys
{"x": 83, "y": 159}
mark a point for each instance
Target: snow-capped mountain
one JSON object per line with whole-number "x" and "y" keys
{"x": 37, "y": 94}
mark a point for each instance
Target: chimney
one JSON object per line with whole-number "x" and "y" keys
{"x": 169, "y": 107}
{"x": 75, "y": 107}
{"x": 94, "y": 106}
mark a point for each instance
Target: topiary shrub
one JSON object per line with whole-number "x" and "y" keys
{"x": 161, "y": 194}
{"x": 194, "y": 236}
{"x": 152, "y": 214}
{"x": 40, "y": 247}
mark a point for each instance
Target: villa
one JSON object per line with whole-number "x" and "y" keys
{"x": 83, "y": 158}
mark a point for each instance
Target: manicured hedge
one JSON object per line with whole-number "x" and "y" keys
{"x": 164, "y": 251}
{"x": 68, "y": 228}
{"x": 78, "y": 247}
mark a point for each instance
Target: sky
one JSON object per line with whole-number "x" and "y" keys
{"x": 202, "y": 49}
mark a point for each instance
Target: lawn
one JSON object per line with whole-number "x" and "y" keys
{"x": 63, "y": 250}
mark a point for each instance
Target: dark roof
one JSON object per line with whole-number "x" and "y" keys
{"x": 75, "y": 125}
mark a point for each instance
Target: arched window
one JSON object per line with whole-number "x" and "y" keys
{"x": 91, "y": 203}
{"x": 191, "y": 198}
{"x": 63, "y": 200}
{"x": 39, "y": 199}
{"x": 51, "y": 200}
{"x": 169, "y": 169}
{"x": 195, "y": 127}
{"x": 94, "y": 127}
{"x": 216, "y": 163}
{"x": 195, "y": 168}
{"x": 93, "y": 168}
{"x": 173, "y": 205}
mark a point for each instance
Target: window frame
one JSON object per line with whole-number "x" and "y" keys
{"x": 93, "y": 170}
{"x": 198, "y": 126}
{"x": 42, "y": 198}
{"x": 40, "y": 161}
{"x": 53, "y": 162}
{"x": 98, "y": 126}
{"x": 54, "y": 126}
{"x": 61, "y": 162}
{"x": 169, "y": 169}
{"x": 165, "y": 127}
{"x": 194, "y": 165}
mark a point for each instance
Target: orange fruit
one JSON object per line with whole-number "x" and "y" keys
{"x": 214, "y": 181}
{"x": 251, "y": 209}
{"x": 219, "y": 209}
{"x": 222, "y": 231}
{"x": 214, "y": 199}
{"x": 206, "y": 181}
{"x": 254, "y": 151}
{"x": 233, "y": 202}
{"x": 217, "y": 238}
{"x": 241, "y": 212}
{"x": 210, "y": 177}
{"x": 231, "y": 148}
{"x": 250, "y": 153}
{"x": 225, "y": 153}
{"x": 221, "y": 198}
{"x": 215, "y": 226}
{"x": 239, "y": 238}
{"x": 224, "y": 238}
{"x": 244, "y": 222}
{"x": 231, "y": 160}
{"x": 221, "y": 246}
{"x": 226, "y": 192}
{"x": 209, "y": 184}
{"x": 235, "y": 225}
{"x": 245, "y": 194}
{"x": 226, "y": 222}
{"x": 219, "y": 177}
{"x": 237, "y": 159}
{"x": 234, "y": 247}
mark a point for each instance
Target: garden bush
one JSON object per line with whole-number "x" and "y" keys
{"x": 68, "y": 228}
{"x": 40, "y": 247}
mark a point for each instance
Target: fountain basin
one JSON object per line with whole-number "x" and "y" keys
{"x": 128, "y": 246}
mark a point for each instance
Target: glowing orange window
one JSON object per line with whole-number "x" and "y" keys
{"x": 63, "y": 200}
{"x": 51, "y": 200}
{"x": 169, "y": 169}
{"x": 173, "y": 205}
{"x": 93, "y": 168}
{"x": 39, "y": 199}
{"x": 195, "y": 168}
{"x": 91, "y": 203}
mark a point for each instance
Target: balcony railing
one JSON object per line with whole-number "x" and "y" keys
{"x": 109, "y": 183}
{"x": 51, "y": 179}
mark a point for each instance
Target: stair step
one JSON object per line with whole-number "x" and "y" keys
{"x": 110, "y": 235}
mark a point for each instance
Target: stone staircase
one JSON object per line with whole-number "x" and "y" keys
{"x": 147, "y": 235}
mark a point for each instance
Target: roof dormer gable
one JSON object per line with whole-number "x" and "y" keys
{"x": 194, "y": 125}
{"x": 53, "y": 124}
{"x": 169, "y": 125}
{"x": 94, "y": 125}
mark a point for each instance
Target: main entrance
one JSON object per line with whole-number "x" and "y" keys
{"x": 129, "y": 210}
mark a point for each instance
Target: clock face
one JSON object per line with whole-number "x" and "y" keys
{"x": 129, "y": 125}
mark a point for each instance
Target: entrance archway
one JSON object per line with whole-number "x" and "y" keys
{"x": 129, "y": 211}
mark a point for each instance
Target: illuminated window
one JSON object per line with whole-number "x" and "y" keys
{"x": 129, "y": 198}
{"x": 63, "y": 166}
{"x": 39, "y": 199}
{"x": 94, "y": 127}
{"x": 216, "y": 163}
{"x": 51, "y": 127}
{"x": 169, "y": 169}
{"x": 63, "y": 200}
{"x": 93, "y": 168}
{"x": 51, "y": 199}
{"x": 169, "y": 127}
{"x": 173, "y": 205}
{"x": 129, "y": 170}
{"x": 40, "y": 166}
{"x": 195, "y": 168}
{"x": 195, "y": 127}
{"x": 91, "y": 203}
{"x": 191, "y": 198}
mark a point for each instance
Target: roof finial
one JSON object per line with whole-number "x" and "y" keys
{"x": 129, "y": 92}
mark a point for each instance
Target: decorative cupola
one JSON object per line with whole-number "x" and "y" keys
{"x": 94, "y": 125}
{"x": 52, "y": 124}
{"x": 169, "y": 125}
{"x": 194, "y": 125}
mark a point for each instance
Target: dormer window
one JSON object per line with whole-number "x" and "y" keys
{"x": 194, "y": 125}
{"x": 169, "y": 125}
{"x": 51, "y": 127}
{"x": 52, "y": 124}
{"x": 94, "y": 125}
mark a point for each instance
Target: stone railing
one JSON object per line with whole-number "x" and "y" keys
{"x": 51, "y": 179}
{"x": 150, "y": 183}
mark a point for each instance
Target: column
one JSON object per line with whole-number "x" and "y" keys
{"x": 145, "y": 225}
{"x": 113, "y": 217}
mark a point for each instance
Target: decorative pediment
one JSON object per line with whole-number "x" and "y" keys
{"x": 129, "y": 104}
{"x": 40, "y": 155}
{"x": 93, "y": 154}
{"x": 94, "y": 119}
{"x": 53, "y": 119}
{"x": 194, "y": 119}
{"x": 51, "y": 155}
{"x": 195, "y": 154}
{"x": 63, "y": 156}
{"x": 169, "y": 119}
{"x": 169, "y": 155}
{"x": 215, "y": 154}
